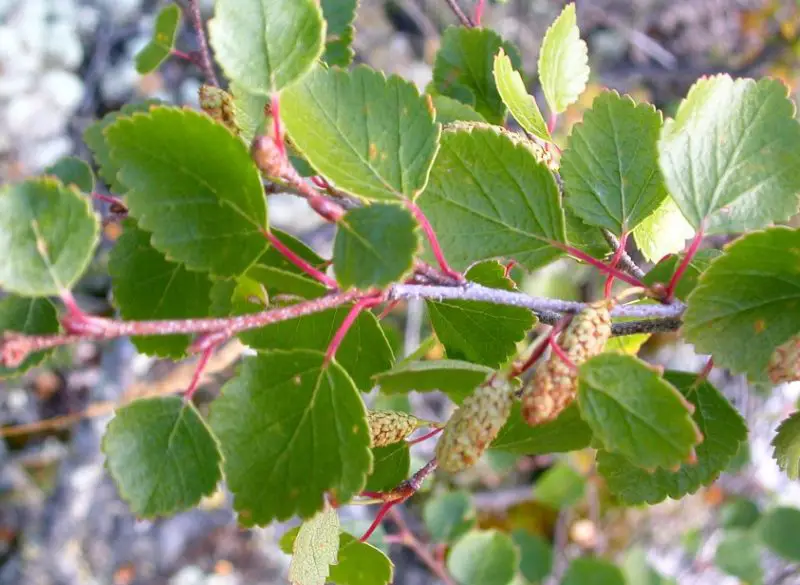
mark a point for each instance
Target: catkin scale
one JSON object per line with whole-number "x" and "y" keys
{"x": 474, "y": 426}
{"x": 387, "y": 427}
{"x": 219, "y": 105}
{"x": 554, "y": 384}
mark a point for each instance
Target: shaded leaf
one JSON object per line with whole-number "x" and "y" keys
{"x": 147, "y": 286}
{"x": 639, "y": 572}
{"x": 339, "y": 16}
{"x": 489, "y": 196}
{"x": 449, "y": 110}
{"x": 739, "y": 513}
{"x": 390, "y": 467}
{"x": 161, "y": 455}
{"x": 778, "y": 530}
{"x": 514, "y": 94}
{"x": 568, "y": 432}
{"x": 455, "y": 378}
{"x": 486, "y": 557}
{"x": 290, "y": 431}
{"x": 536, "y": 555}
{"x": 787, "y": 446}
{"x": 560, "y": 486}
{"x": 375, "y": 138}
{"x": 154, "y": 53}
{"x": 663, "y": 271}
{"x": 448, "y": 515}
{"x": 730, "y": 156}
{"x": 265, "y": 45}
{"x": 739, "y": 554}
{"x": 48, "y": 233}
{"x": 464, "y": 69}
{"x": 30, "y": 316}
{"x": 589, "y": 571}
{"x": 563, "y": 62}
{"x": 583, "y": 236}
{"x": 71, "y": 170}
{"x": 193, "y": 186}
{"x": 610, "y": 166}
{"x": 723, "y": 431}
{"x": 315, "y": 548}
{"x": 280, "y": 276}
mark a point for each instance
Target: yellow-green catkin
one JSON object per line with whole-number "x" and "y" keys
{"x": 387, "y": 427}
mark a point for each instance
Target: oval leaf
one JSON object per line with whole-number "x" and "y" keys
{"x": 265, "y": 45}
{"x": 160, "y": 46}
{"x": 563, "y": 62}
{"x": 373, "y": 137}
{"x": 29, "y": 316}
{"x": 730, "y": 157}
{"x": 522, "y": 105}
{"x": 73, "y": 171}
{"x": 739, "y": 554}
{"x": 161, "y": 455}
{"x": 778, "y": 530}
{"x": 635, "y": 412}
{"x": 48, "y": 233}
{"x": 448, "y": 515}
{"x": 290, "y": 431}
{"x": 484, "y": 557}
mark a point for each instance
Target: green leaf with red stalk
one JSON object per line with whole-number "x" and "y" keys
{"x": 165, "y": 31}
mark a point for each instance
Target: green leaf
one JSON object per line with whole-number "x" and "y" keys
{"x": 71, "y": 170}
{"x": 315, "y": 548}
{"x": 563, "y": 62}
{"x": 339, "y": 15}
{"x": 291, "y": 430}
{"x": 448, "y": 515}
{"x": 364, "y": 352}
{"x": 464, "y": 69}
{"x": 95, "y": 138}
{"x": 193, "y": 186}
{"x": 746, "y": 303}
{"x": 723, "y": 431}
{"x": 589, "y": 571}
{"x": 280, "y": 276}
{"x": 635, "y": 412}
{"x": 560, "y": 486}
{"x": 610, "y": 166}
{"x": 583, "y": 236}
{"x": 455, "y": 378}
{"x": 29, "y": 316}
{"x": 787, "y": 446}
{"x": 663, "y": 232}
{"x": 739, "y": 554}
{"x": 479, "y": 332}
{"x": 375, "y": 246}
{"x": 359, "y": 563}
{"x": 638, "y": 571}
{"x": 739, "y": 513}
{"x": 161, "y": 455}
{"x": 663, "y": 271}
{"x": 778, "y": 530}
{"x": 449, "y": 110}
{"x": 47, "y": 234}
{"x": 566, "y": 433}
{"x": 489, "y": 196}
{"x": 248, "y": 110}
{"x": 730, "y": 156}
{"x": 266, "y": 45}
{"x": 536, "y": 555}
{"x": 390, "y": 467}
{"x": 148, "y": 286}
{"x": 514, "y": 95}
{"x": 375, "y": 138}
{"x": 485, "y": 557}
{"x": 160, "y": 46}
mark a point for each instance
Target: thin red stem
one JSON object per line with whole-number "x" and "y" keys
{"x": 687, "y": 258}
{"x": 551, "y": 122}
{"x": 479, "y": 8}
{"x": 580, "y": 255}
{"x": 509, "y": 267}
{"x": 351, "y": 317}
{"x": 426, "y": 436}
{"x": 388, "y": 309}
{"x": 320, "y": 182}
{"x": 299, "y": 262}
{"x": 433, "y": 241}
{"x": 277, "y": 127}
{"x": 182, "y": 55}
{"x": 198, "y": 372}
{"x": 702, "y": 376}
{"x": 623, "y": 240}
{"x": 540, "y": 349}
{"x": 114, "y": 201}
{"x": 382, "y": 511}
{"x": 205, "y": 55}
{"x": 560, "y": 353}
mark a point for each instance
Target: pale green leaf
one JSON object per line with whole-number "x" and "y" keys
{"x": 48, "y": 233}
{"x": 739, "y": 554}
{"x": 374, "y": 137}
{"x": 638, "y": 571}
{"x": 513, "y": 93}
{"x": 787, "y": 446}
{"x": 455, "y": 378}
{"x": 563, "y": 62}
{"x": 71, "y": 170}
{"x": 160, "y": 46}
{"x": 485, "y": 557}
{"x": 265, "y": 45}
{"x": 192, "y": 185}
{"x": 778, "y": 530}
{"x": 560, "y": 486}
{"x": 161, "y": 455}
{"x": 568, "y": 432}
{"x": 291, "y": 430}
{"x": 448, "y": 515}
{"x": 730, "y": 157}
{"x": 315, "y": 548}
{"x": 663, "y": 232}
{"x": 29, "y": 316}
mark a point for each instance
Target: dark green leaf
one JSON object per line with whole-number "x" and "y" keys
{"x": 513, "y": 93}
{"x": 390, "y": 467}
{"x": 265, "y": 45}
{"x": 73, "y": 171}
{"x": 739, "y": 554}
{"x": 30, "y": 316}
{"x": 160, "y": 46}
{"x": 730, "y": 158}
{"x": 315, "y": 548}
{"x": 778, "y": 530}
{"x": 147, "y": 286}
{"x": 663, "y": 271}
{"x": 280, "y": 276}
{"x": 375, "y": 138}
{"x": 568, "y": 432}
{"x": 161, "y": 455}
{"x": 746, "y": 304}
{"x": 610, "y": 166}
{"x": 536, "y": 555}
{"x": 489, "y": 196}
{"x": 375, "y": 246}
{"x": 464, "y": 69}
{"x": 449, "y": 110}
{"x": 290, "y": 431}
{"x": 478, "y": 332}
{"x": 483, "y": 557}
{"x": 560, "y": 486}
{"x": 339, "y": 15}
{"x": 787, "y": 446}
{"x": 563, "y": 62}
{"x": 723, "y": 431}
{"x": 589, "y": 571}
{"x": 455, "y": 378}
{"x": 192, "y": 185}
{"x": 363, "y": 353}
{"x": 585, "y": 237}
{"x": 448, "y": 515}
{"x": 635, "y": 412}
{"x": 48, "y": 233}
